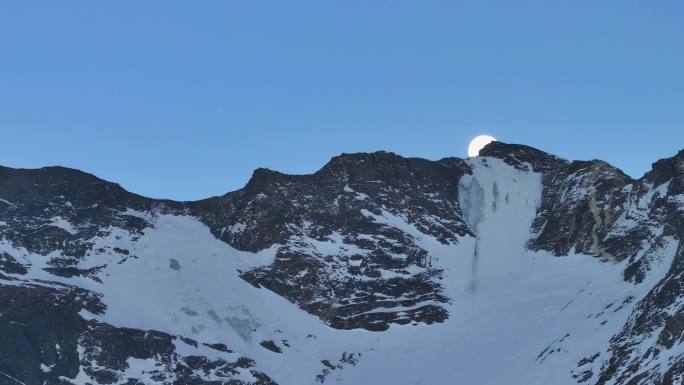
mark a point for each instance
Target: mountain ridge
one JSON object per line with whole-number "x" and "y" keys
{"x": 292, "y": 271}
{"x": 494, "y": 149}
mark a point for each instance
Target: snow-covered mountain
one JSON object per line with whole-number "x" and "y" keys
{"x": 515, "y": 267}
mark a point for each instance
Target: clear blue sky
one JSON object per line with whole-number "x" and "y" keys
{"x": 183, "y": 99}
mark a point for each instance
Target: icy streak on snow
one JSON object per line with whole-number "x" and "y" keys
{"x": 501, "y": 227}
{"x": 471, "y": 200}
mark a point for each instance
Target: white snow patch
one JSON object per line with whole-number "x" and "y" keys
{"x": 63, "y": 224}
{"x": 237, "y": 228}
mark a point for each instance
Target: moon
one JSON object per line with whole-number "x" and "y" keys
{"x": 478, "y": 143}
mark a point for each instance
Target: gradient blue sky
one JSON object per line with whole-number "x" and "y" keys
{"x": 183, "y": 99}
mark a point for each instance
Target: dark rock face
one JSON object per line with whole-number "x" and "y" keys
{"x": 341, "y": 254}
{"x": 40, "y": 326}
{"x": 10, "y": 265}
{"x": 340, "y": 206}
{"x": 656, "y": 326}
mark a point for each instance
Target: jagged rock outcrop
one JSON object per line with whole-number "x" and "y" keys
{"x": 366, "y": 268}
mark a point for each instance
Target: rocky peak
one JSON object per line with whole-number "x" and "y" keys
{"x": 668, "y": 169}
{"x": 390, "y": 168}
{"x": 58, "y": 208}
{"x": 362, "y": 160}
{"x": 48, "y": 183}
{"x": 264, "y": 179}
{"x": 517, "y": 155}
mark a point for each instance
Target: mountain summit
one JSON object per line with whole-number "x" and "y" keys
{"x": 513, "y": 267}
